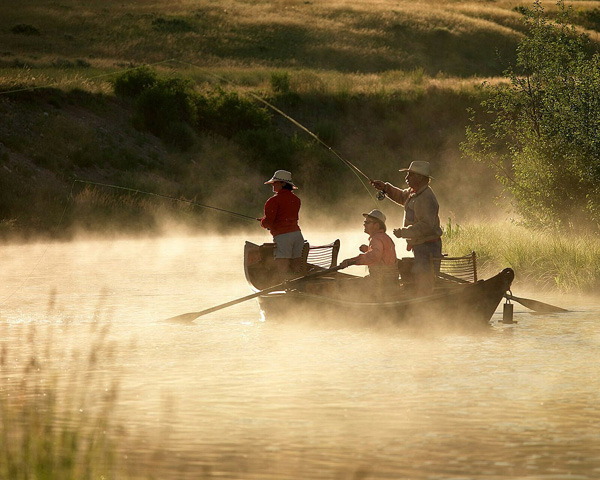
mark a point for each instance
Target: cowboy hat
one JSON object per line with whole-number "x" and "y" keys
{"x": 422, "y": 168}
{"x": 282, "y": 176}
{"x": 378, "y": 214}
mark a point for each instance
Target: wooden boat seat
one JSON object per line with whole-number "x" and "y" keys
{"x": 319, "y": 257}
{"x": 459, "y": 268}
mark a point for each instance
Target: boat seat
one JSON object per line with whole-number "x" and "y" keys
{"x": 321, "y": 256}
{"x": 461, "y": 269}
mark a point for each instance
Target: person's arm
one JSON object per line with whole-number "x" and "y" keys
{"x": 395, "y": 194}
{"x": 271, "y": 207}
{"x": 372, "y": 255}
{"x": 346, "y": 263}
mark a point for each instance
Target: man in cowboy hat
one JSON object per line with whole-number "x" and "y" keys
{"x": 379, "y": 256}
{"x": 421, "y": 229}
{"x": 281, "y": 219}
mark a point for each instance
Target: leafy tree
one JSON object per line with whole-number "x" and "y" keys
{"x": 543, "y": 139}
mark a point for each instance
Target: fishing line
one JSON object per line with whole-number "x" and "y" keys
{"x": 357, "y": 172}
{"x": 182, "y": 200}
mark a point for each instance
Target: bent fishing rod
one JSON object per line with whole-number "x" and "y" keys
{"x": 357, "y": 171}
{"x": 182, "y": 200}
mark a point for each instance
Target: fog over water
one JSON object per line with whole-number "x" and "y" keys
{"x": 238, "y": 396}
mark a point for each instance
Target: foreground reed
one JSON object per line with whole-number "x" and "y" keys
{"x": 56, "y": 405}
{"x": 547, "y": 260}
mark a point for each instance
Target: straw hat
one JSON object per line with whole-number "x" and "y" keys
{"x": 422, "y": 168}
{"x": 282, "y": 176}
{"x": 378, "y": 214}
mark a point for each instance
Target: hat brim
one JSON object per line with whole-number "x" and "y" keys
{"x": 273, "y": 180}
{"x": 413, "y": 171}
{"x": 376, "y": 218}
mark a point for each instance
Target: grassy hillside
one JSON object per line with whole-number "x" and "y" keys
{"x": 382, "y": 82}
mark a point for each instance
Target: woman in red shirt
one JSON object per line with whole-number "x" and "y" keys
{"x": 281, "y": 219}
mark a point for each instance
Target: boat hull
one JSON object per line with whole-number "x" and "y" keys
{"x": 451, "y": 304}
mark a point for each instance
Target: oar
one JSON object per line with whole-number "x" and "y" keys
{"x": 534, "y": 305}
{"x": 189, "y": 317}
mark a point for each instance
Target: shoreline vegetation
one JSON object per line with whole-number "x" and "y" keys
{"x": 57, "y": 418}
{"x": 543, "y": 260}
{"x": 382, "y": 83}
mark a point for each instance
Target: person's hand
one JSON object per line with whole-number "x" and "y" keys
{"x": 363, "y": 248}
{"x": 398, "y": 232}
{"x": 346, "y": 263}
{"x": 378, "y": 184}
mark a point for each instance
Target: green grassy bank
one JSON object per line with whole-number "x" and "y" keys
{"x": 550, "y": 261}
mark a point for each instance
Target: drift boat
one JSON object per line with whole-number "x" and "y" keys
{"x": 459, "y": 298}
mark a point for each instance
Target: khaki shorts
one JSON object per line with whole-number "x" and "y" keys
{"x": 289, "y": 245}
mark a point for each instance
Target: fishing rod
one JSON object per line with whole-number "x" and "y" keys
{"x": 183, "y": 200}
{"x": 357, "y": 171}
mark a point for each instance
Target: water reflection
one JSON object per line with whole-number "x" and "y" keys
{"x": 235, "y": 397}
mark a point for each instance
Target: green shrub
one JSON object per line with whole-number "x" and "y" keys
{"x": 326, "y": 131}
{"x": 590, "y": 17}
{"x": 268, "y": 147}
{"x": 172, "y": 25}
{"x": 280, "y": 82}
{"x": 544, "y": 136}
{"x": 227, "y": 114}
{"x": 63, "y": 63}
{"x": 166, "y": 102}
{"x": 180, "y": 135}
{"x": 173, "y": 111}
{"x": 133, "y": 82}
{"x": 24, "y": 29}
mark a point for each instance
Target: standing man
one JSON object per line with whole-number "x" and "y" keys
{"x": 421, "y": 229}
{"x": 281, "y": 219}
{"x": 379, "y": 256}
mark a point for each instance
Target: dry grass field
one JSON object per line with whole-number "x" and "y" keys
{"x": 452, "y": 38}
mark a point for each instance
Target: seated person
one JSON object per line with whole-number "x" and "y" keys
{"x": 379, "y": 255}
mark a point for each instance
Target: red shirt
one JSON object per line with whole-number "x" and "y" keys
{"x": 281, "y": 213}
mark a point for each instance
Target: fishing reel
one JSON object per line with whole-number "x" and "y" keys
{"x": 380, "y": 195}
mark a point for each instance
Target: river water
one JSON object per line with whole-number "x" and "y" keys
{"x": 237, "y": 396}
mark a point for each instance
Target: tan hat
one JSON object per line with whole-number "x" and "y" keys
{"x": 282, "y": 176}
{"x": 422, "y": 168}
{"x": 378, "y": 214}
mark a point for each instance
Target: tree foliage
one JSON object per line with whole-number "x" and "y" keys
{"x": 543, "y": 138}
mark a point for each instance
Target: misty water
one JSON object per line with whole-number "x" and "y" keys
{"x": 238, "y": 396}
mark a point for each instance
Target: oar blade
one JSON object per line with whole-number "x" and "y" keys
{"x": 536, "y": 305}
{"x": 183, "y": 318}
